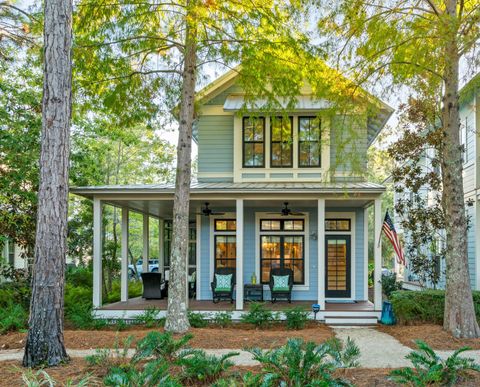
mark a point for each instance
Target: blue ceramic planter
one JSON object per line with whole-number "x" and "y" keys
{"x": 387, "y": 314}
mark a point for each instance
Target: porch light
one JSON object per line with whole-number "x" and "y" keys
{"x": 315, "y": 309}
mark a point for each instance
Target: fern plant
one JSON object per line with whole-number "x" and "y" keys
{"x": 160, "y": 345}
{"x": 258, "y": 315}
{"x": 428, "y": 368}
{"x": 298, "y": 363}
{"x": 223, "y": 319}
{"x": 197, "y": 366}
{"x": 197, "y": 320}
{"x": 41, "y": 378}
{"x": 296, "y": 317}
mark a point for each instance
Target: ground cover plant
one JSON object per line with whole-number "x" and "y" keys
{"x": 258, "y": 315}
{"x": 223, "y": 319}
{"x": 429, "y": 369}
{"x": 296, "y": 318}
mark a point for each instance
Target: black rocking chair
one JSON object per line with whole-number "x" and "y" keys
{"x": 152, "y": 285}
{"x": 223, "y": 293}
{"x": 285, "y": 293}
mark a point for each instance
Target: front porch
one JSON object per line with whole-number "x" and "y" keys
{"x": 324, "y": 241}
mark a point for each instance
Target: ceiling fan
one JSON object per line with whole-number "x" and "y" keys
{"x": 286, "y": 211}
{"x": 207, "y": 211}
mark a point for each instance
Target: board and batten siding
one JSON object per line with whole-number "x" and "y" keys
{"x": 472, "y": 262}
{"x": 215, "y": 145}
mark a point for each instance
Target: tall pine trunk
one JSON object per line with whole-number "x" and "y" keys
{"x": 45, "y": 343}
{"x": 459, "y": 316}
{"x": 177, "y": 317}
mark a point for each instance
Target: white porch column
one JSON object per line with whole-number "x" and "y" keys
{"x": 198, "y": 274}
{"x": 239, "y": 242}
{"x": 321, "y": 253}
{"x": 97, "y": 252}
{"x": 124, "y": 268}
{"x": 146, "y": 242}
{"x": 378, "y": 255}
{"x": 161, "y": 251}
{"x": 365, "y": 253}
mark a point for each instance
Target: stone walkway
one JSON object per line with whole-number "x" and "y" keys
{"x": 377, "y": 350}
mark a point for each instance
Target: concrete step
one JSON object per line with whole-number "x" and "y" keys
{"x": 351, "y": 320}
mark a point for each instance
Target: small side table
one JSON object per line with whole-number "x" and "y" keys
{"x": 253, "y": 292}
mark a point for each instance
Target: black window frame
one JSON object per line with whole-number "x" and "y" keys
{"x": 223, "y": 235}
{"x": 336, "y": 220}
{"x": 281, "y": 142}
{"x": 282, "y": 224}
{"x": 253, "y": 142}
{"x": 319, "y": 142}
{"x": 282, "y": 255}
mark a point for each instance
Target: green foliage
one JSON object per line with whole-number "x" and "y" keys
{"x": 390, "y": 284}
{"x": 197, "y": 366}
{"x": 41, "y": 378}
{"x": 296, "y": 317}
{"x": 13, "y": 318}
{"x": 106, "y": 357}
{"x": 429, "y": 369}
{"x": 248, "y": 379}
{"x": 154, "y": 373}
{"x": 258, "y": 315}
{"x": 412, "y": 307}
{"x": 161, "y": 345}
{"x": 197, "y": 320}
{"x": 149, "y": 317}
{"x": 222, "y": 319}
{"x": 305, "y": 364}
{"x": 79, "y": 276}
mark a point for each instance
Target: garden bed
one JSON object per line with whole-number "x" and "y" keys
{"x": 237, "y": 336}
{"x": 433, "y": 335}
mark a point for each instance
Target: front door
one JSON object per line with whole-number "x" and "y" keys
{"x": 337, "y": 266}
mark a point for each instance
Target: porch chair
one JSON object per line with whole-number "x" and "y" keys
{"x": 152, "y": 286}
{"x": 223, "y": 284}
{"x": 281, "y": 283}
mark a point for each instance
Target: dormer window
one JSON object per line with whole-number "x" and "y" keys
{"x": 254, "y": 142}
{"x": 309, "y": 146}
{"x": 282, "y": 142}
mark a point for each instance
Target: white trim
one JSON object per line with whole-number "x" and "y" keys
{"x": 365, "y": 253}
{"x": 239, "y": 264}
{"x": 378, "y": 255}
{"x": 352, "y": 232}
{"x": 213, "y": 110}
{"x": 321, "y": 253}
{"x": 209, "y": 175}
{"x": 477, "y": 242}
{"x": 146, "y": 243}
{"x": 97, "y": 252}
{"x": 124, "y": 250}
{"x": 306, "y": 247}
{"x": 198, "y": 223}
{"x": 161, "y": 247}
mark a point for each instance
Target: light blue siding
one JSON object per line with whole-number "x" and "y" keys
{"x": 471, "y": 246}
{"x": 250, "y": 253}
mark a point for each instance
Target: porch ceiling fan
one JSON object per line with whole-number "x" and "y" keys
{"x": 285, "y": 211}
{"x": 207, "y": 211}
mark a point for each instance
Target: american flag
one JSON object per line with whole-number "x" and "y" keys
{"x": 389, "y": 230}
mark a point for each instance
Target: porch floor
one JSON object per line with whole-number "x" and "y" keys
{"x": 138, "y": 303}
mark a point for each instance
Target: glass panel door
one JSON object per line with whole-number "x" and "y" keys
{"x": 337, "y": 266}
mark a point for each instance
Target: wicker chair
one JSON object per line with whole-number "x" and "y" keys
{"x": 225, "y": 294}
{"x": 152, "y": 285}
{"x": 285, "y": 293}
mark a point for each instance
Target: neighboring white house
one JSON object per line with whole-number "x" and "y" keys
{"x": 470, "y": 138}
{"x": 12, "y": 254}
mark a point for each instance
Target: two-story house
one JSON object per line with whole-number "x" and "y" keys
{"x": 470, "y": 139}
{"x": 273, "y": 191}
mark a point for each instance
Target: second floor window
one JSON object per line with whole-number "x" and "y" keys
{"x": 254, "y": 142}
{"x": 282, "y": 142}
{"x": 309, "y": 154}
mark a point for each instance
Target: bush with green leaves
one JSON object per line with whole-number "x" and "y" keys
{"x": 39, "y": 378}
{"x": 154, "y": 373}
{"x": 197, "y": 366}
{"x": 107, "y": 357}
{"x": 247, "y": 379}
{"x": 149, "y": 317}
{"x": 197, "y": 320}
{"x": 429, "y": 369}
{"x": 296, "y": 317}
{"x": 161, "y": 345}
{"x": 390, "y": 284}
{"x": 258, "y": 315}
{"x": 13, "y": 317}
{"x": 222, "y": 319}
{"x": 300, "y": 363}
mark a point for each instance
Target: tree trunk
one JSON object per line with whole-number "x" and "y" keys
{"x": 177, "y": 318}
{"x": 45, "y": 345}
{"x": 459, "y": 316}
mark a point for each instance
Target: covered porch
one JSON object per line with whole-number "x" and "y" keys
{"x": 320, "y": 208}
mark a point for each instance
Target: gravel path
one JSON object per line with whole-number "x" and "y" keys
{"x": 377, "y": 350}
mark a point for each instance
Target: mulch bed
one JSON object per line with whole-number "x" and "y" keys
{"x": 237, "y": 336}
{"x": 433, "y": 335}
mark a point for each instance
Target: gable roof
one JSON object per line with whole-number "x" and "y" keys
{"x": 235, "y": 102}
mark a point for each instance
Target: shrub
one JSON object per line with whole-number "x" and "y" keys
{"x": 412, "y": 307}
{"x": 154, "y": 373}
{"x": 223, "y": 319}
{"x": 197, "y": 320}
{"x": 13, "y": 318}
{"x": 305, "y": 364}
{"x": 429, "y": 368}
{"x": 160, "y": 345}
{"x": 296, "y": 317}
{"x": 258, "y": 315}
{"x": 390, "y": 284}
{"x": 197, "y": 366}
{"x": 149, "y": 317}
{"x": 80, "y": 315}
{"x": 248, "y": 379}
{"x": 40, "y": 378}
{"x": 79, "y": 277}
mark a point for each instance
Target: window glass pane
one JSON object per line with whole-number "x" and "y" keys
{"x": 270, "y": 246}
{"x": 293, "y": 247}
{"x": 277, "y": 154}
{"x": 231, "y": 225}
{"x": 220, "y": 225}
{"x": 298, "y": 225}
{"x": 267, "y": 265}
{"x": 225, "y": 225}
{"x": 337, "y": 225}
{"x": 293, "y": 225}
{"x": 286, "y": 154}
{"x": 281, "y": 138}
{"x": 270, "y": 225}
{"x": 309, "y": 142}
{"x": 296, "y": 265}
